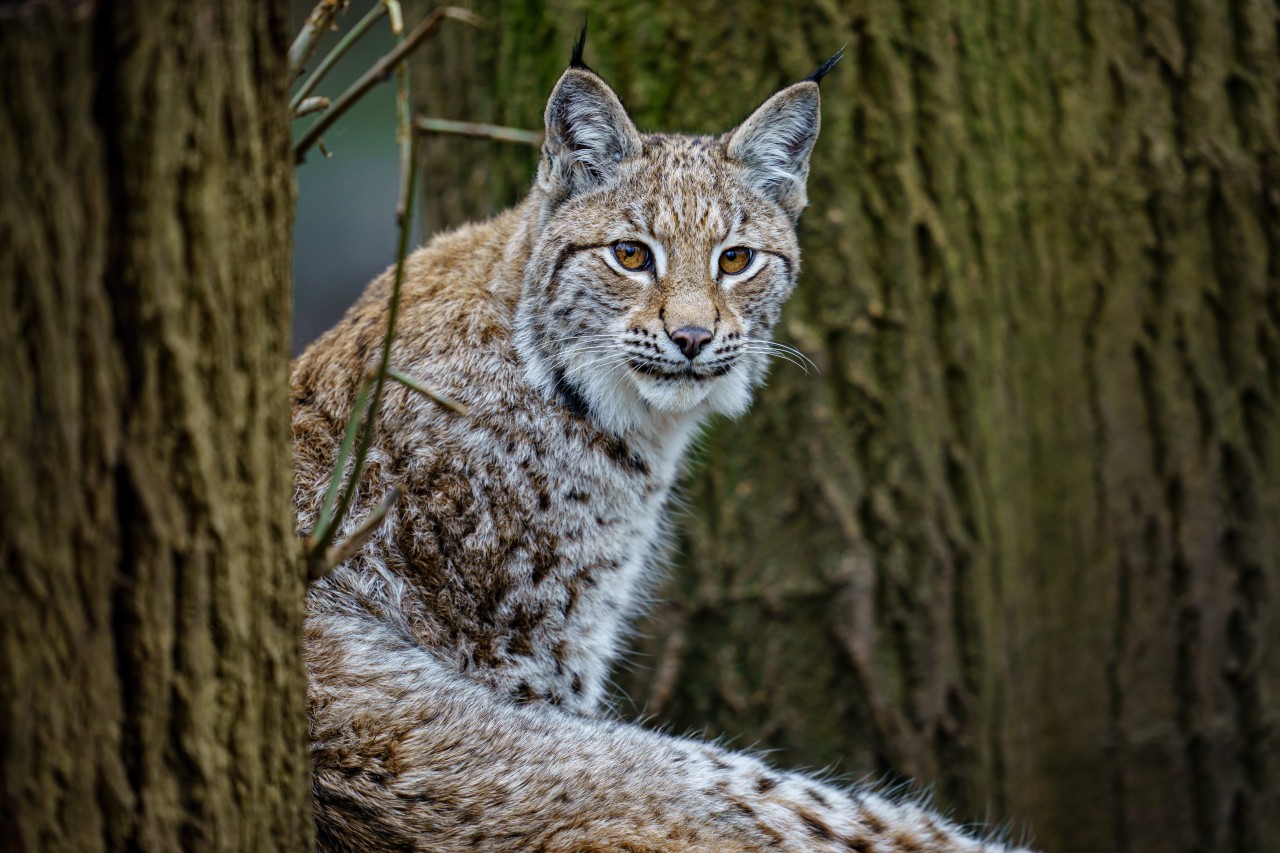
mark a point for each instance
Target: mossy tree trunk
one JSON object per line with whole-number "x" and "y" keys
{"x": 151, "y": 685}
{"x": 1020, "y": 536}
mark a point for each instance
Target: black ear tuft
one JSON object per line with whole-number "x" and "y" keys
{"x": 815, "y": 77}
{"x": 588, "y": 134}
{"x": 575, "y": 61}
{"x": 773, "y": 145}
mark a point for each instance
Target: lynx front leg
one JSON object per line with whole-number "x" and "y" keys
{"x": 410, "y": 757}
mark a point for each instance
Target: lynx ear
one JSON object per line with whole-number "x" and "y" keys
{"x": 774, "y": 143}
{"x": 588, "y": 133}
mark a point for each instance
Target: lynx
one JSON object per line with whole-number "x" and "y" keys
{"x": 458, "y": 663}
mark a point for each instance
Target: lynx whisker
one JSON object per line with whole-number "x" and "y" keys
{"x": 782, "y": 346}
{"x": 608, "y": 360}
{"x": 772, "y": 353}
{"x": 571, "y": 337}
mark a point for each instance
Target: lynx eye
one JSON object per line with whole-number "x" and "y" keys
{"x": 735, "y": 260}
{"x": 632, "y": 256}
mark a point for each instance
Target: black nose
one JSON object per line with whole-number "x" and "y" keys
{"x": 691, "y": 340}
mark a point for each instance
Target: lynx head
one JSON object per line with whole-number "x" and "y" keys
{"x": 660, "y": 263}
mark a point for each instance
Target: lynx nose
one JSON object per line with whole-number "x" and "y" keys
{"x": 691, "y": 340}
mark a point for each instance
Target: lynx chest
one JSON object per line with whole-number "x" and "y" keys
{"x": 525, "y": 543}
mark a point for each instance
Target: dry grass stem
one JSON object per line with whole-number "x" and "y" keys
{"x": 347, "y": 548}
{"x": 379, "y": 72}
{"x": 318, "y": 23}
{"x": 483, "y": 131}
{"x": 326, "y": 65}
{"x": 310, "y": 105}
{"x": 434, "y": 396}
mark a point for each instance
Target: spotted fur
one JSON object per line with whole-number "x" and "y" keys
{"x": 458, "y": 663}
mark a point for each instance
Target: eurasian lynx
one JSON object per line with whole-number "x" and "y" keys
{"x": 458, "y": 663}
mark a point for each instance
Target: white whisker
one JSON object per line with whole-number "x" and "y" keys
{"x": 784, "y": 347}
{"x": 771, "y": 353}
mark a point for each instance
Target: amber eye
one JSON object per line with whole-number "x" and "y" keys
{"x": 735, "y": 260}
{"x": 632, "y": 256}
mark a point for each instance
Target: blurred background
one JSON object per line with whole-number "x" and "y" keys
{"x": 1017, "y": 538}
{"x": 344, "y": 232}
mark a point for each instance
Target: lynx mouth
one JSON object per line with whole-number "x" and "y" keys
{"x": 663, "y": 372}
{"x": 660, "y": 371}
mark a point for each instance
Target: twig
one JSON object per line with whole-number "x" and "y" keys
{"x": 310, "y": 105}
{"x": 313, "y": 30}
{"x": 326, "y": 521}
{"x": 324, "y": 538}
{"x": 434, "y": 396}
{"x": 326, "y": 64}
{"x": 380, "y": 70}
{"x": 397, "y": 17}
{"x": 484, "y": 131}
{"x": 346, "y": 549}
{"x": 404, "y": 127}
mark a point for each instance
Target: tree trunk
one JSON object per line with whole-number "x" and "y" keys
{"x": 1018, "y": 537}
{"x": 151, "y": 685}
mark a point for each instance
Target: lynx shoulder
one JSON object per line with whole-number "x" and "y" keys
{"x": 458, "y": 663}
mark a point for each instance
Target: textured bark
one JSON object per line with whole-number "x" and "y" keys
{"x": 151, "y": 687}
{"x": 1018, "y": 538}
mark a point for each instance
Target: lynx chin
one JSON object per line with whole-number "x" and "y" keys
{"x": 458, "y": 663}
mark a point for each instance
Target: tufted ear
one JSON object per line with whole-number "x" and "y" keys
{"x": 774, "y": 143}
{"x": 588, "y": 133}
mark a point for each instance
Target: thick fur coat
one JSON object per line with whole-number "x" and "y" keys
{"x": 458, "y": 663}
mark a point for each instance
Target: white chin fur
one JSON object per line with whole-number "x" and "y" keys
{"x": 676, "y": 397}
{"x": 635, "y": 400}
{"x": 728, "y": 395}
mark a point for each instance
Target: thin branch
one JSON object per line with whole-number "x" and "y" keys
{"x": 380, "y": 70}
{"x": 404, "y": 126}
{"x": 483, "y": 131}
{"x": 397, "y": 17}
{"x": 347, "y": 548}
{"x": 324, "y": 538}
{"x": 340, "y": 49}
{"x": 325, "y": 523}
{"x": 434, "y": 396}
{"x": 318, "y": 23}
{"x": 310, "y": 105}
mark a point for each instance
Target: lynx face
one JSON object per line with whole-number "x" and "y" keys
{"x": 661, "y": 262}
